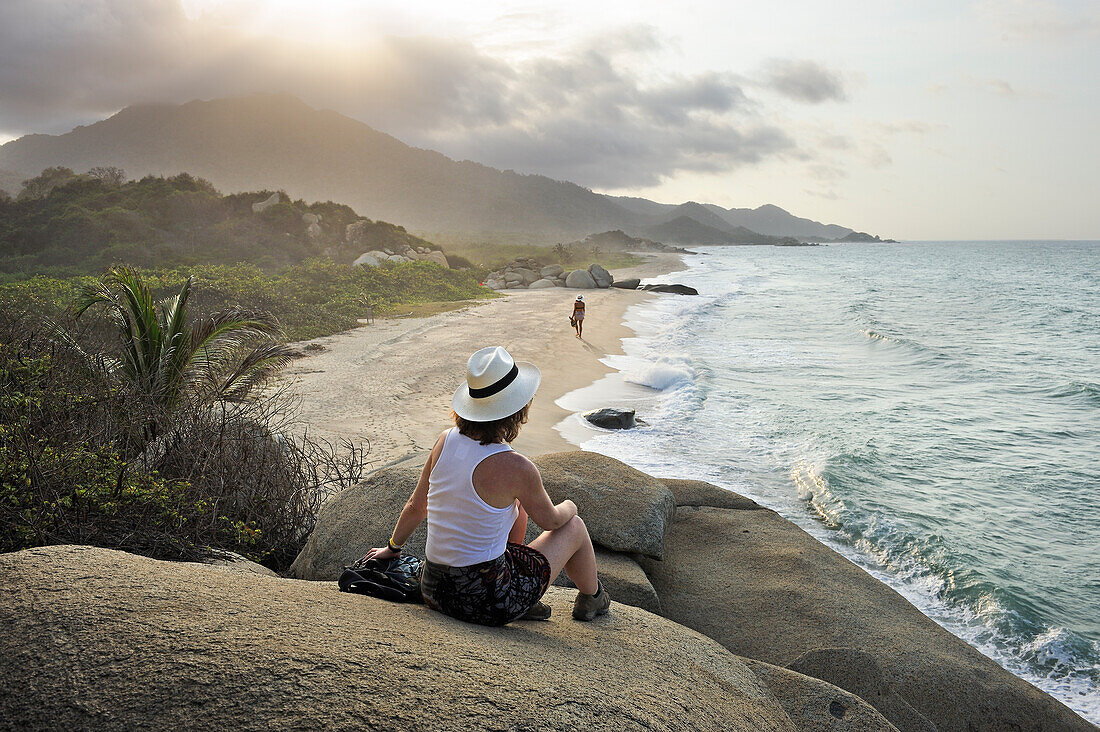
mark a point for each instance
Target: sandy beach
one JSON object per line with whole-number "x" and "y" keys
{"x": 390, "y": 383}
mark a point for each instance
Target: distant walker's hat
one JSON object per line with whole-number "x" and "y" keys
{"x": 496, "y": 386}
{"x": 580, "y": 297}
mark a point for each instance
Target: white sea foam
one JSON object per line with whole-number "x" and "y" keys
{"x": 665, "y": 373}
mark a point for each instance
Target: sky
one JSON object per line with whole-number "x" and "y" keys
{"x": 910, "y": 119}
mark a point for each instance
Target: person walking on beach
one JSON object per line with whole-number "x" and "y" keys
{"x": 578, "y": 315}
{"x": 476, "y": 493}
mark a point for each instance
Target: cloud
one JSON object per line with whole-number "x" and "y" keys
{"x": 803, "y": 81}
{"x": 1042, "y": 20}
{"x": 586, "y": 114}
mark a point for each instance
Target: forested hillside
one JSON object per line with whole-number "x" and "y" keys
{"x": 64, "y": 223}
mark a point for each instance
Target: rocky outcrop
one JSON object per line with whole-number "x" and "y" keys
{"x": 366, "y": 260}
{"x": 526, "y": 273}
{"x": 375, "y": 257}
{"x": 261, "y": 206}
{"x": 828, "y": 618}
{"x": 613, "y": 419}
{"x": 600, "y": 276}
{"x": 674, "y": 289}
{"x": 100, "y": 639}
{"x": 580, "y": 279}
{"x": 627, "y": 284}
{"x": 700, "y": 493}
{"x": 816, "y": 706}
{"x": 313, "y": 224}
{"x": 624, "y": 509}
{"x": 358, "y": 518}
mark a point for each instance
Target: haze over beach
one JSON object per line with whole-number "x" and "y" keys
{"x": 830, "y": 418}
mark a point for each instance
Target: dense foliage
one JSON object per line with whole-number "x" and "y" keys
{"x": 315, "y": 298}
{"x": 63, "y": 223}
{"x": 90, "y": 454}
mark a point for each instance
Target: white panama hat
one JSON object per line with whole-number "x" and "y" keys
{"x": 496, "y": 386}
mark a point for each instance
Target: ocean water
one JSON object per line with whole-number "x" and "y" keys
{"x": 929, "y": 409}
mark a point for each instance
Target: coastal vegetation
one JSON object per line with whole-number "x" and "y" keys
{"x": 135, "y": 424}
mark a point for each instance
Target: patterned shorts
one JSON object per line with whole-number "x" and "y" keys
{"x": 490, "y": 593}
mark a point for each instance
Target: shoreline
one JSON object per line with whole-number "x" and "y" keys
{"x": 390, "y": 383}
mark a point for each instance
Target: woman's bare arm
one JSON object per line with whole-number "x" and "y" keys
{"x": 415, "y": 510}
{"x": 533, "y": 497}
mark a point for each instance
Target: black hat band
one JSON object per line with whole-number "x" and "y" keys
{"x": 497, "y": 386}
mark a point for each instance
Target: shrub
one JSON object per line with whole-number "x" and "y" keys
{"x": 76, "y": 465}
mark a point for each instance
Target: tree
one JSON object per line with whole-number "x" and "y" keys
{"x": 46, "y": 181}
{"x": 109, "y": 174}
{"x": 165, "y": 359}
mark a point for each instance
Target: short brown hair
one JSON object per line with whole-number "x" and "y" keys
{"x": 499, "y": 430}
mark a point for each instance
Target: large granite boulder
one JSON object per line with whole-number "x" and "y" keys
{"x": 436, "y": 256}
{"x": 783, "y": 598}
{"x": 551, "y": 271}
{"x": 366, "y": 260}
{"x": 358, "y": 518}
{"x": 361, "y": 517}
{"x": 601, "y": 276}
{"x": 700, "y": 493}
{"x": 101, "y": 639}
{"x": 630, "y": 283}
{"x": 817, "y": 706}
{"x": 541, "y": 284}
{"x": 625, "y": 509}
{"x": 579, "y": 279}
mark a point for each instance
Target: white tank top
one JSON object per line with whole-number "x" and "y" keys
{"x": 462, "y": 528}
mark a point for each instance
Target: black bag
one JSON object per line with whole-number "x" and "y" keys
{"x": 397, "y": 579}
{"x": 572, "y": 321}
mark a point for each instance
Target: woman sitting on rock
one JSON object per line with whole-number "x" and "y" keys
{"x": 476, "y": 494}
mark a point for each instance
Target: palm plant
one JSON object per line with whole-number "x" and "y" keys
{"x": 166, "y": 359}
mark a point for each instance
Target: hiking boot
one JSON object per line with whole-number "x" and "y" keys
{"x": 539, "y": 611}
{"x": 587, "y": 607}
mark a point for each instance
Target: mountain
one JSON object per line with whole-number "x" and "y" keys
{"x": 11, "y": 181}
{"x": 769, "y": 219}
{"x": 278, "y": 142}
{"x": 687, "y": 230}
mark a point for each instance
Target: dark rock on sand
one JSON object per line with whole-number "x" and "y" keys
{"x": 101, "y": 639}
{"x": 765, "y": 589}
{"x": 612, "y": 419}
{"x": 675, "y": 289}
{"x": 627, "y": 284}
{"x": 625, "y": 509}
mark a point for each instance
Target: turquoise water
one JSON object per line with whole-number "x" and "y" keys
{"x": 932, "y": 410}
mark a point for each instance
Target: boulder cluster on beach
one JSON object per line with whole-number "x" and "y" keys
{"x": 528, "y": 274}
{"x": 725, "y": 617}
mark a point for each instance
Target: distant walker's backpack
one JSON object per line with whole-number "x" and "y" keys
{"x": 397, "y": 579}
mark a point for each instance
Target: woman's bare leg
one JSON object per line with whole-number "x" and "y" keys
{"x": 570, "y": 548}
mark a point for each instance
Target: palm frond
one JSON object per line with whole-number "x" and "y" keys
{"x": 257, "y": 366}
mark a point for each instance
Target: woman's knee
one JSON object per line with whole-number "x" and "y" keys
{"x": 576, "y": 526}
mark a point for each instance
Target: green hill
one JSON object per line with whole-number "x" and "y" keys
{"x": 64, "y": 223}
